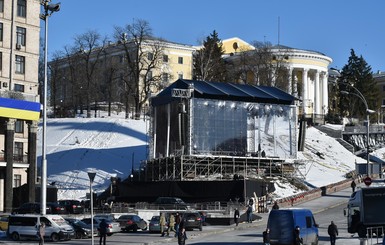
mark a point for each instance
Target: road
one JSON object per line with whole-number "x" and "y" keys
{"x": 325, "y": 209}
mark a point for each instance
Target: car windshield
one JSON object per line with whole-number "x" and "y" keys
{"x": 80, "y": 223}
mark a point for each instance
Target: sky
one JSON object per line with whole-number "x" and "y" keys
{"x": 330, "y": 27}
{"x": 110, "y": 145}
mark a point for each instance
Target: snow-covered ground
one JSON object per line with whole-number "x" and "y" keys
{"x": 110, "y": 145}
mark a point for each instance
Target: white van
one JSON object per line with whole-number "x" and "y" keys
{"x": 25, "y": 226}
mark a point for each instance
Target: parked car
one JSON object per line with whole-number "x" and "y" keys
{"x": 4, "y": 222}
{"x": 170, "y": 203}
{"x": 30, "y": 208}
{"x": 82, "y": 230}
{"x": 56, "y": 208}
{"x": 154, "y": 225}
{"x": 113, "y": 226}
{"x": 193, "y": 220}
{"x": 132, "y": 222}
{"x": 72, "y": 206}
{"x": 110, "y": 217}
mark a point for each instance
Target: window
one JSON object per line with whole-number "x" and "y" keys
{"x": 180, "y": 76}
{"x": 1, "y": 61}
{"x": 17, "y": 180}
{"x": 1, "y": 6}
{"x": 180, "y": 60}
{"x": 165, "y": 78}
{"x": 1, "y": 31}
{"x": 383, "y": 88}
{"x": 18, "y": 152}
{"x": 20, "y": 35}
{"x": 150, "y": 56}
{"x": 22, "y": 8}
{"x": 165, "y": 58}
{"x": 19, "y": 87}
{"x": 19, "y": 126}
{"x": 20, "y": 64}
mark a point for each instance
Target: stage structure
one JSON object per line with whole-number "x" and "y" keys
{"x": 216, "y": 131}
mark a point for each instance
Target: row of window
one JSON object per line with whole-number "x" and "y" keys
{"x": 150, "y": 56}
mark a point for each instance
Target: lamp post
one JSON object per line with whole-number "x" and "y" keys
{"x": 368, "y": 111}
{"x": 48, "y": 10}
{"x": 91, "y": 175}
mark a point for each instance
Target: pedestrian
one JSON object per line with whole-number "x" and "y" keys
{"x": 275, "y": 206}
{"x": 182, "y": 236}
{"x": 297, "y": 236}
{"x": 162, "y": 223}
{"x": 41, "y": 233}
{"x": 249, "y": 213}
{"x": 103, "y": 232}
{"x": 177, "y": 222}
{"x": 236, "y": 216}
{"x": 333, "y": 233}
{"x": 171, "y": 225}
{"x": 266, "y": 236}
{"x": 353, "y": 185}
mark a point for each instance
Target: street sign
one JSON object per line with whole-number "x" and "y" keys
{"x": 368, "y": 181}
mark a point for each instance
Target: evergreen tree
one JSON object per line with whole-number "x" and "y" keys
{"x": 208, "y": 62}
{"x": 358, "y": 74}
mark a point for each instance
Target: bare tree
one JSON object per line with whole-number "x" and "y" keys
{"x": 143, "y": 57}
{"x": 90, "y": 46}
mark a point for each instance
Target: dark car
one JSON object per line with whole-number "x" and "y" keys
{"x": 82, "y": 230}
{"x": 30, "y": 208}
{"x": 170, "y": 203}
{"x": 193, "y": 220}
{"x": 56, "y": 208}
{"x": 72, "y": 206}
{"x": 131, "y": 222}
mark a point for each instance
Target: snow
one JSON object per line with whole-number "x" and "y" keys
{"x": 110, "y": 145}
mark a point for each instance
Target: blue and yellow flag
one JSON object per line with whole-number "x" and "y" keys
{"x": 19, "y": 109}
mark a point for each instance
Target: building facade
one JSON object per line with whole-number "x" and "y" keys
{"x": 19, "y": 59}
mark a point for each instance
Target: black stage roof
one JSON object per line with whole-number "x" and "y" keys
{"x": 226, "y": 91}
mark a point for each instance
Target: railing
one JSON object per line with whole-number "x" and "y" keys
{"x": 16, "y": 158}
{"x": 378, "y": 230}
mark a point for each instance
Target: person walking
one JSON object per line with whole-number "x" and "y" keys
{"x": 103, "y": 232}
{"x": 171, "y": 225}
{"x": 41, "y": 233}
{"x": 353, "y": 185}
{"x": 333, "y": 233}
{"x": 182, "y": 236}
{"x": 162, "y": 223}
{"x": 236, "y": 216}
{"x": 297, "y": 236}
{"x": 275, "y": 206}
{"x": 249, "y": 214}
{"x": 177, "y": 222}
{"x": 266, "y": 236}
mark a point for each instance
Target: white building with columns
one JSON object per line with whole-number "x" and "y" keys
{"x": 308, "y": 79}
{"x": 308, "y": 75}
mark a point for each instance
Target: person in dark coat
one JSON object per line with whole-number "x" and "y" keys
{"x": 103, "y": 232}
{"x": 297, "y": 236}
{"x": 333, "y": 233}
{"x": 275, "y": 206}
{"x": 177, "y": 222}
{"x": 236, "y": 216}
{"x": 266, "y": 236}
{"x": 353, "y": 185}
{"x": 182, "y": 233}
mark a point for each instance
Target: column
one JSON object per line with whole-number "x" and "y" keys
{"x": 295, "y": 89}
{"x": 9, "y": 139}
{"x": 317, "y": 95}
{"x": 31, "y": 179}
{"x": 304, "y": 90}
{"x": 325, "y": 93}
{"x": 290, "y": 89}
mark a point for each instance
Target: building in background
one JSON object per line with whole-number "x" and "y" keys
{"x": 19, "y": 64}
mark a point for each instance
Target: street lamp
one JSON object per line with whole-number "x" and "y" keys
{"x": 91, "y": 175}
{"x": 368, "y": 111}
{"x": 49, "y": 9}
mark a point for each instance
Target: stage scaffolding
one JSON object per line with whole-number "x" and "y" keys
{"x": 211, "y": 168}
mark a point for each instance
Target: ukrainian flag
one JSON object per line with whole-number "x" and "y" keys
{"x": 19, "y": 109}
